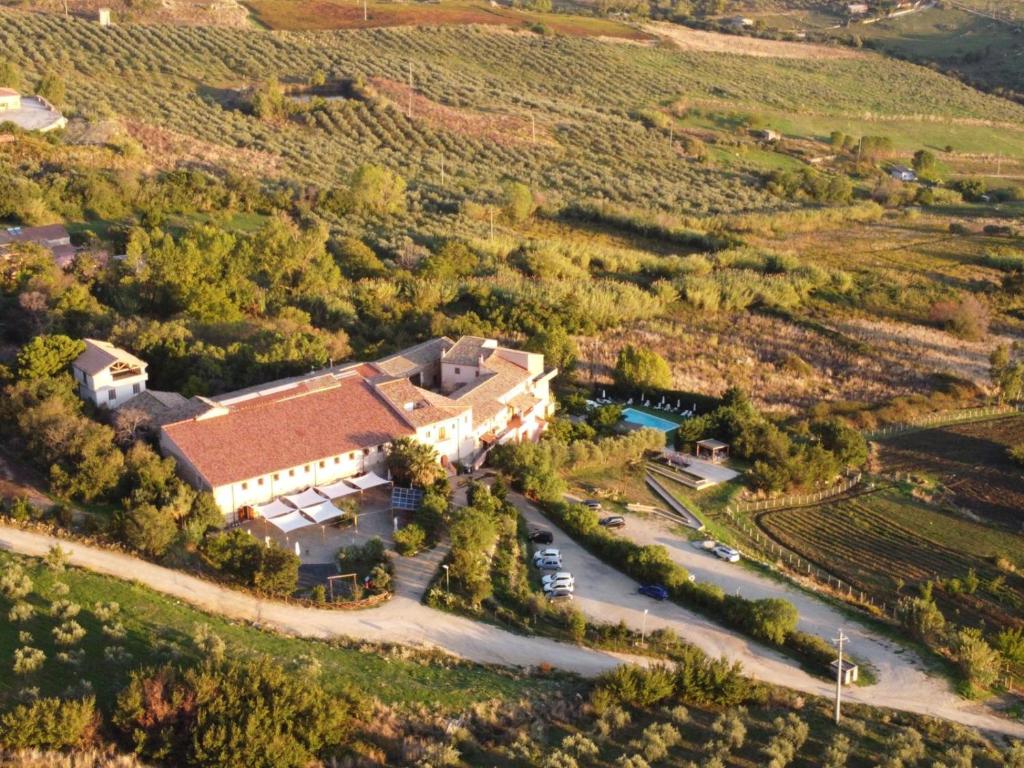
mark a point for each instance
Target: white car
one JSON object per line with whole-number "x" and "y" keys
{"x": 549, "y": 563}
{"x": 727, "y": 553}
{"x": 559, "y": 586}
{"x": 560, "y": 576}
{"x": 541, "y": 554}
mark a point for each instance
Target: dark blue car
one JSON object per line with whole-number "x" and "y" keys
{"x": 654, "y": 590}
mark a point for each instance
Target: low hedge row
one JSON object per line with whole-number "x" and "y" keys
{"x": 770, "y": 620}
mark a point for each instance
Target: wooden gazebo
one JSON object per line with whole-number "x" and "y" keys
{"x": 714, "y": 451}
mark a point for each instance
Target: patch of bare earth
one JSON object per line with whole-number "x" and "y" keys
{"x": 170, "y": 149}
{"x": 501, "y": 128}
{"x": 715, "y": 42}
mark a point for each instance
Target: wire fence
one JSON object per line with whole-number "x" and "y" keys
{"x": 945, "y": 418}
{"x": 802, "y": 499}
{"x": 772, "y": 554}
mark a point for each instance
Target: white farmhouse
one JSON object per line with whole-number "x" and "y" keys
{"x": 108, "y": 376}
{"x": 252, "y": 446}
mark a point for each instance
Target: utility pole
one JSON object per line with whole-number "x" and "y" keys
{"x": 442, "y": 170}
{"x": 533, "y": 127}
{"x": 839, "y": 671}
{"x": 492, "y": 224}
{"x": 410, "y": 90}
{"x": 365, "y": 15}
{"x": 643, "y": 629}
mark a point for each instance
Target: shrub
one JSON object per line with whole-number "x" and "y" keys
{"x": 410, "y": 539}
{"x": 978, "y": 661}
{"x": 241, "y": 558}
{"x": 68, "y": 633}
{"x": 48, "y": 724}
{"x": 14, "y": 582}
{"x": 967, "y": 318}
{"x": 638, "y": 687}
{"x": 28, "y": 660}
{"x": 640, "y": 368}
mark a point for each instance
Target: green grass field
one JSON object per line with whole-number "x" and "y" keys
{"x": 160, "y": 629}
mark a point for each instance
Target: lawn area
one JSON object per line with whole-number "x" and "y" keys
{"x": 159, "y": 629}
{"x": 348, "y": 14}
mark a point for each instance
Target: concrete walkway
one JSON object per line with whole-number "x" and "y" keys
{"x": 605, "y": 594}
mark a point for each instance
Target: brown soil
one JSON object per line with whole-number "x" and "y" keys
{"x": 716, "y": 42}
{"x": 168, "y": 149}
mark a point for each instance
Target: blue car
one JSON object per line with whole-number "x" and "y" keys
{"x": 655, "y": 591}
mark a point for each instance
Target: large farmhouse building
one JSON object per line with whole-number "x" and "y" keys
{"x": 461, "y": 398}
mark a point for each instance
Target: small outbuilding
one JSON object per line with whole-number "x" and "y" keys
{"x": 714, "y": 451}
{"x": 902, "y": 173}
{"x": 767, "y": 134}
{"x": 103, "y": 17}
{"x": 851, "y": 672}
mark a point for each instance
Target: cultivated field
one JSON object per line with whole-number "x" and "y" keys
{"x": 882, "y": 542}
{"x": 969, "y": 462}
{"x": 348, "y": 14}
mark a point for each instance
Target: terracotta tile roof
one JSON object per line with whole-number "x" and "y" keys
{"x": 287, "y": 429}
{"x": 8, "y": 92}
{"x": 484, "y": 394}
{"x": 468, "y": 350}
{"x": 404, "y": 362}
{"x": 427, "y": 407}
{"x": 100, "y": 355}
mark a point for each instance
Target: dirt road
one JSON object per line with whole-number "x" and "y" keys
{"x": 605, "y": 594}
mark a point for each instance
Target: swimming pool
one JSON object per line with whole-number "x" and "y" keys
{"x": 649, "y": 420}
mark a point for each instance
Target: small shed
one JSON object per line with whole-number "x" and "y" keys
{"x": 767, "y": 134}
{"x": 103, "y": 17}
{"x": 857, "y": 9}
{"x": 902, "y": 173}
{"x": 851, "y": 672}
{"x": 711, "y": 450}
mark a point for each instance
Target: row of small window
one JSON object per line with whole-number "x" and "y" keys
{"x": 322, "y": 464}
{"x": 112, "y": 393}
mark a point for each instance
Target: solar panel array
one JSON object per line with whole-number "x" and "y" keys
{"x": 408, "y": 499}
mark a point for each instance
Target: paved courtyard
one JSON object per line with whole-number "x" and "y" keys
{"x": 319, "y": 544}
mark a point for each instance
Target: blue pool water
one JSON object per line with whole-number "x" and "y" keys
{"x": 649, "y": 420}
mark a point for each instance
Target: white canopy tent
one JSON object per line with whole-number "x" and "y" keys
{"x": 323, "y": 513}
{"x": 308, "y": 498}
{"x": 290, "y": 522}
{"x": 336, "y": 490}
{"x": 274, "y": 508}
{"x": 367, "y": 481}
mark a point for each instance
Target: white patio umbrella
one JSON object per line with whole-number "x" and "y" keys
{"x": 266, "y": 540}
{"x": 298, "y": 549}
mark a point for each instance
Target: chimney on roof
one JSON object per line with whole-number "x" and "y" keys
{"x": 409, "y": 406}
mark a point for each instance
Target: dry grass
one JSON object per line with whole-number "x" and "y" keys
{"x": 500, "y": 128}
{"x": 715, "y": 42}
{"x": 92, "y": 758}
{"x": 169, "y": 149}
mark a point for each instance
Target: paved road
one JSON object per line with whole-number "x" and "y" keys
{"x": 605, "y": 594}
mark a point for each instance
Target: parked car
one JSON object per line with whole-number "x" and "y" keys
{"x": 542, "y": 553}
{"x": 656, "y": 591}
{"x": 613, "y": 521}
{"x": 559, "y": 576}
{"x": 593, "y": 504}
{"x": 540, "y": 536}
{"x": 549, "y": 563}
{"x": 727, "y": 553}
{"x": 559, "y": 594}
{"x": 556, "y": 586}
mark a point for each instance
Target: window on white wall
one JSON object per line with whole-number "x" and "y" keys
{"x": 259, "y": 481}
{"x": 245, "y": 486}
{"x": 442, "y": 433}
{"x": 136, "y": 388}
{"x": 112, "y": 394}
